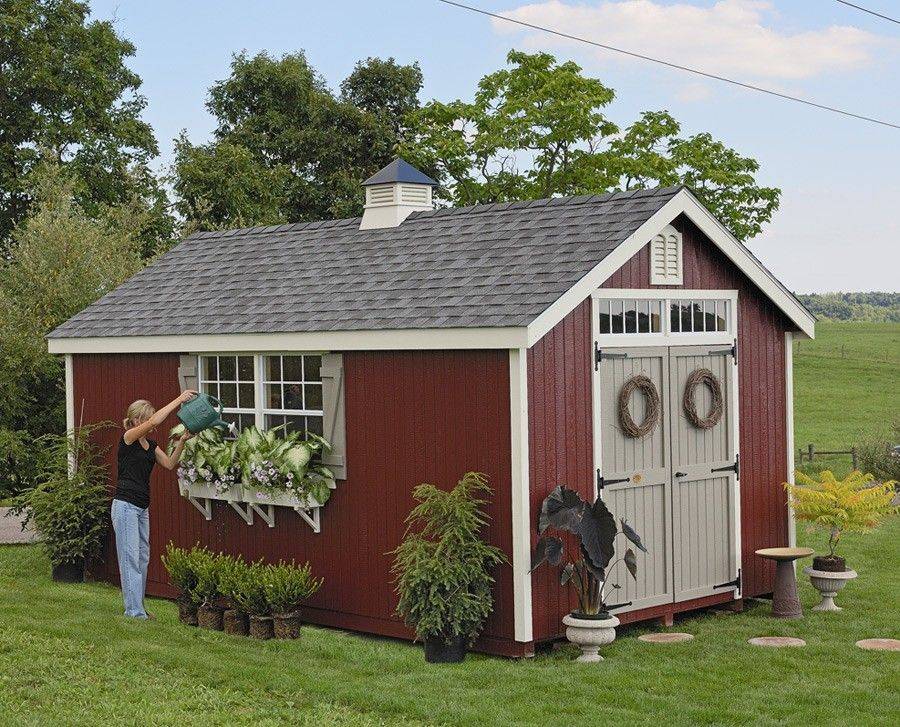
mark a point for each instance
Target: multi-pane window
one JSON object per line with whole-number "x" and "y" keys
{"x": 268, "y": 390}
{"x": 293, "y": 392}
{"x": 231, "y": 380}
{"x": 698, "y": 316}
{"x": 630, "y": 316}
{"x": 648, "y": 318}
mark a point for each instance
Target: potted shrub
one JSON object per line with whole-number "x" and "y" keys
{"x": 287, "y": 586}
{"x": 231, "y": 574}
{"x": 591, "y": 625}
{"x": 69, "y": 504}
{"x": 247, "y": 592}
{"x": 180, "y": 564}
{"x": 855, "y": 504}
{"x": 443, "y": 568}
{"x": 207, "y": 590}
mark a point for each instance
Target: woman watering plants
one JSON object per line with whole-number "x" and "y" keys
{"x": 130, "y": 517}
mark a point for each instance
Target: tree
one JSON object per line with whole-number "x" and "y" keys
{"x": 286, "y": 149}
{"x": 66, "y": 90}
{"x": 60, "y": 261}
{"x": 538, "y": 129}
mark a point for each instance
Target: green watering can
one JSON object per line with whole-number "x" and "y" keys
{"x": 202, "y": 412}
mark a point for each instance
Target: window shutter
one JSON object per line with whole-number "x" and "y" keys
{"x": 333, "y": 406}
{"x": 187, "y": 373}
{"x": 665, "y": 257}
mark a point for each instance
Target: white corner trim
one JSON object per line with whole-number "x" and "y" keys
{"x": 398, "y": 340}
{"x": 682, "y": 203}
{"x": 521, "y": 510}
{"x": 70, "y": 406}
{"x": 789, "y": 429}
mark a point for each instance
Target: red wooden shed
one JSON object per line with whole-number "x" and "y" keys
{"x": 427, "y": 342}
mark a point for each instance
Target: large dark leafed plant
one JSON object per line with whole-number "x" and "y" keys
{"x": 443, "y": 567}
{"x": 69, "y": 505}
{"x": 594, "y": 525}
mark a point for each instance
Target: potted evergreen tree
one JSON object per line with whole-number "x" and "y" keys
{"x": 181, "y": 566}
{"x": 247, "y": 590}
{"x": 207, "y": 591}
{"x": 235, "y": 620}
{"x": 69, "y": 505}
{"x": 443, "y": 568}
{"x": 855, "y": 504}
{"x": 287, "y": 586}
{"x": 591, "y": 625}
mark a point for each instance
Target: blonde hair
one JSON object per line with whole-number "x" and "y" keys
{"x": 139, "y": 411}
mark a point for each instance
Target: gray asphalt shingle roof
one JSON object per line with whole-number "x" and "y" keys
{"x": 486, "y": 266}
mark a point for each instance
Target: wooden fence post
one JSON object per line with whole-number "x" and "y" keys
{"x": 812, "y": 452}
{"x": 853, "y": 455}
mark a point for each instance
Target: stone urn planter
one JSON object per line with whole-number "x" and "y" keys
{"x": 828, "y": 583}
{"x": 590, "y": 634}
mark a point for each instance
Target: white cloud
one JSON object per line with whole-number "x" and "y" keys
{"x": 730, "y": 37}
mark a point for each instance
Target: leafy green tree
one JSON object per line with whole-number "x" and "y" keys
{"x": 538, "y": 129}
{"x": 60, "y": 260}
{"x": 66, "y": 90}
{"x": 285, "y": 148}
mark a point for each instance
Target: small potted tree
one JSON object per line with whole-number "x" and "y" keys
{"x": 180, "y": 564}
{"x": 69, "y": 505}
{"x": 443, "y": 568}
{"x": 207, "y": 590}
{"x": 591, "y": 625}
{"x": 248, "y": 593}
{"x": 854, "y": 504}
{"x": 287, "y": 586}
{"x": 231, "y": 577}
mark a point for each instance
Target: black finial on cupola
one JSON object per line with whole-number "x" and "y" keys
{"x": 399, "y": 171}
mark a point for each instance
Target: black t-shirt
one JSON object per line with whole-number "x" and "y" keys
{"x": 135, "y": 466}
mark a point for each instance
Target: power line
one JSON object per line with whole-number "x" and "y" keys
{"x": 669, "y": 64}
{"x": 870, "y": 12}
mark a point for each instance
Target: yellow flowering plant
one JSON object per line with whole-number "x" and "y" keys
{"x": 854, "y": 504}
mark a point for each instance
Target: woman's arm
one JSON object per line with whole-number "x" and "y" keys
{"x": 171, "y": 462}
{"x": 144, "y": 428}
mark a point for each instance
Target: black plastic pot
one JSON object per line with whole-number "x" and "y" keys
{"x": 438, "y": 651}
{"x": 829, "y": 563}
{"x": 69, "y": 572}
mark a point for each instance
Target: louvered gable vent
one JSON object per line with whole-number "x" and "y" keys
{"x": 665, "y": 257}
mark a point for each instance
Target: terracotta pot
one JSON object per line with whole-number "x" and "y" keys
{"x": 439, "y": 651}
{"x": 210, "y": 617}
{"x": 828, "y": 583}
{"x": 235, "y": 622}
{"x": 590, "y": 634}
{"x": 261, "y": 627}
{"x": 187, "y": 612}
{"x": 287, "y": 625}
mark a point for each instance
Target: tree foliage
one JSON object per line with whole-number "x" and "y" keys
{"x": 285, "y": 148}
{"x": 538, "y": 129}
{"x": 61, "y": 260}
{"x": 66, "y": 90}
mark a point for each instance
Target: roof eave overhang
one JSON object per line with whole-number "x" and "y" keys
{"x": 384, "y": 340}
{"x": 684, "y": 202}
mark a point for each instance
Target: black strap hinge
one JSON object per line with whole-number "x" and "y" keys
{"x": 603, "y": 482}
{"x": 736, "y": 583}
{"x": 732, "y": 351}
{"x": 734, "y": 467}
{"x": 600, "y": 355}
{"x": 618, "y": 605}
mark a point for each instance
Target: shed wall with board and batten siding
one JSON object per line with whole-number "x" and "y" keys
{"x": 411, "y": 417}
{"x": 561, "y": 428}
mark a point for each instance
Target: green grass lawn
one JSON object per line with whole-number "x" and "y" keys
{"x": 68, "y": 657}
{"x": 846, "y": 387}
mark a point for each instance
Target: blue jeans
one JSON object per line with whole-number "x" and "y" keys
{"x": 132, "y": 527}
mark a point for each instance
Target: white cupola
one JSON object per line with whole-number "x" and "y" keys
{"x": 394, "y": 193}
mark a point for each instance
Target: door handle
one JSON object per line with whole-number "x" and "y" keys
{"x": 681, "y": 474}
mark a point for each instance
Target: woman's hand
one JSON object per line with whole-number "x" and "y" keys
{"x": 187, "y": 395}
{"x": 185, "y": 436}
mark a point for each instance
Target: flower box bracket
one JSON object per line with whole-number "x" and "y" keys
{"x": 203, "y": 504}
{"x": 245, "y": 510}
{"x": 311, "y": 516}
{"x": 266, "y": 512}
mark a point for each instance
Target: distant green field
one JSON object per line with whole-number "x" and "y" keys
{"x": 846, "y": 386}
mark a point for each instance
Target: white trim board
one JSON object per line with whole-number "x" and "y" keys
{"x": 400, "y": 340}
{"x": 684, "y": 202}
{"x": 789, "y": 430}
{"x": 521, "y": 492}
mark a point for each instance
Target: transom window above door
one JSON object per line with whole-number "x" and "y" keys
{"x": 644, "y": 317}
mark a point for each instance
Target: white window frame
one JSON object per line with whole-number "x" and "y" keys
{"x": 665, "y": 337}
{"x": 260, "y": 411}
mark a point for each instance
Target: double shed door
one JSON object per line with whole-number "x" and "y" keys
{"x": 673, "y": 485}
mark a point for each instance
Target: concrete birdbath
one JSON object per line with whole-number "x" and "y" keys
{"x": 785, "y": 601}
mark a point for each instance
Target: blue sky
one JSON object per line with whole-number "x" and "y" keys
{"x": 838, "y": 227}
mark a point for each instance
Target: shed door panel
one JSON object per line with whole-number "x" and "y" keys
{"x": 645, "y": 498}
{"x": 703, "y": 506}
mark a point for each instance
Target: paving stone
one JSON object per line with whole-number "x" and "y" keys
{"x": 879, "y": 644}
{"x": 777, "y": 641}
{"x": 11, "y": 529}
{"x": 665, "y": 638}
